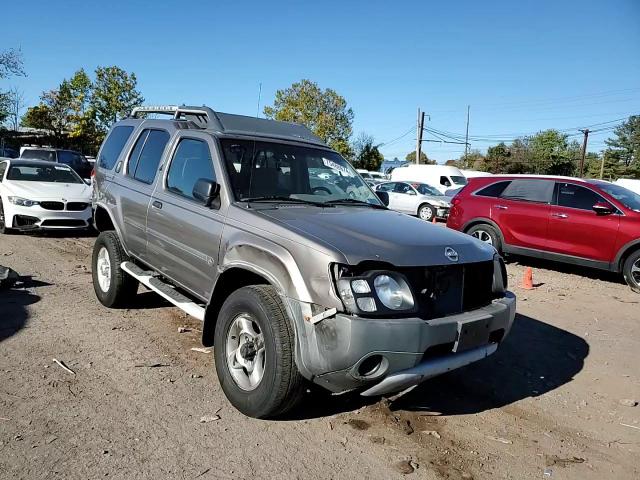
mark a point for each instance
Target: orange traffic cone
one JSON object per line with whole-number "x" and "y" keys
{"x": 433, "y": 219}
{"x": 527, "y": 282}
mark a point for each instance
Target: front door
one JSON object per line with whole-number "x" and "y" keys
{"x": 183, "y": 234}
{"x": 405, "y": 198}
{"x": 575, "y": 229}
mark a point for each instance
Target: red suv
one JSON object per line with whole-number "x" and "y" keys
{"x": 584, "y": 222}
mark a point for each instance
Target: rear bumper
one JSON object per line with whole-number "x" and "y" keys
{"x": 384, "y": 355}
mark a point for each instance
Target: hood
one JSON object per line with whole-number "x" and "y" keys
{"x": 50, "y": 190}
{"x": 439, "y": 200}
{"x": 361, "y": 233}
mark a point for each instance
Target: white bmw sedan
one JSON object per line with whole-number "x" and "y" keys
{"x": 42, "y": 195}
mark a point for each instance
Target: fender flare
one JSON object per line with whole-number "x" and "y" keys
{"x": 116, "y": 227}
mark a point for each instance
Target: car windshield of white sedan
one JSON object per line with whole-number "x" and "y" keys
{"x": 42, "y": 173}
{"x": 629, "y": 199}
{"x": 269, "y": 171}
{"x": 425, "y": 189}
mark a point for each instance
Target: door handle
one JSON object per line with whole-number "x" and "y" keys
{"x": 560, "y": 215}
{"x": 501, "y": 207}
{"x": 156, "y": 204}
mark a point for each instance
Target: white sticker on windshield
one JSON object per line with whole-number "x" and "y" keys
{"x": 336, "y": 166}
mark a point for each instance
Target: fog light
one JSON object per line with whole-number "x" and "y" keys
{"x": 367, "y": 304}
{"x": 370, "y": 365}
{"x": 360, "y": 286}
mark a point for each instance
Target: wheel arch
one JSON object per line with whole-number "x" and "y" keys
{"x": 422, "y": 204}
{"x": 482, "y": 220}
{"x": 624, "y": 252}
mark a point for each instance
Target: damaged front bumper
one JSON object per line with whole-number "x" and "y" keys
{"x": 381, "y": 356}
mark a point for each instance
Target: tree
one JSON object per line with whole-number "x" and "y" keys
{"x": 424, "y": 160}
{"x": 552, "y": 154}
{"x": 114, "y": 96}
{"x": 473, "y": 160}
{"x": 497, "y": 159}
{"x": 16, "y": 104}
{"x": 10, "y": 64}
{"x": 366, "y": 153}
{"x": 324, "y": 112}
{"x": 626, "y": 143}
{"x": 53, "y": 113}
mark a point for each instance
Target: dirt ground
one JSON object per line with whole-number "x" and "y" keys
{"x": 549, "y": 404}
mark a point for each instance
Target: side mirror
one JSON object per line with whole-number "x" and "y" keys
{"x": 603, "y": 208}
{"x": 383, "y": 196}
{"x": 87, "y": 181}
{"x": 206, "y": 191}
{"x": 411, "y": 192}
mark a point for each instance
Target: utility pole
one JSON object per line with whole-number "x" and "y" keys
{"x": 584, "y": 151}
{"x": 466, "y": 137}
{"x": 602, "y": 167}
{"x": 418, "y": 136}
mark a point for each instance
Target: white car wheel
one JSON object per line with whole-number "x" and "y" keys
{"x": 104, "y": 270}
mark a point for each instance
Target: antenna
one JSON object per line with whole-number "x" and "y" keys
{"x": 259, "y": 96}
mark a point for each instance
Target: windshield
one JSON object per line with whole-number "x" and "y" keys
{"x": 458, "y": 180}
{"x": 43, "y": 173}
{"x": 425, "y": 189}
{"x": 629, "y": 199}
{"x": 266, "y": 170}
{"x": 34, "y": 154}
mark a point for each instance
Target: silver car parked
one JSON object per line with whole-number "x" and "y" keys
{"x": 419, "y": 199}
{"x": 297, "y": 269}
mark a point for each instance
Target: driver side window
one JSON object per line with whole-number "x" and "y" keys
{"x": 403, "y": 188}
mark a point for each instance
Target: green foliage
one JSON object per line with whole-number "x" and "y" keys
{"x": 114, "y": 95}
{"x": 473, "y": 160}
{"x": 424, "y": 160}
{"x": 366, "y": 153}
{"x": 626, "y": 144}
{"x": 324, "y": 112}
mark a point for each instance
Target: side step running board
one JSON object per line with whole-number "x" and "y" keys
{"x": 165, "y": 290}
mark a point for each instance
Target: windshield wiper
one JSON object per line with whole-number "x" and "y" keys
{"x": 355, "y": 201}
{"x": 282, "y": 198}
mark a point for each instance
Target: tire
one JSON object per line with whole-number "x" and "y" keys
{"x": 426, "y": 212}
{"x": 257, "y": 315}
{"x": 631, "y": 271}
{"x": 116, "y": 289}
{"x": 486, "y": 233}
{"x": 3, "y": 228}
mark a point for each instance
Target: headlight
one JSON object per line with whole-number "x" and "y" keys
{"x": 376, "y": 293}
{"x": 23, "y": 202}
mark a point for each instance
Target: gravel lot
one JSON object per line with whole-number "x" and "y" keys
{"x": 552, "y": 403}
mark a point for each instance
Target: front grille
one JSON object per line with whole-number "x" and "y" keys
{"x": 77, "y": 206}
{"x": 63, "y": 223}
{"x": 52, "y": 205}
{"x": 450, "y": 289}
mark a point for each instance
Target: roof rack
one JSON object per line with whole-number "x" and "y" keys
{"x": 205, "y": 117}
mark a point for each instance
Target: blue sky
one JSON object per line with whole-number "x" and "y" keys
{"x": 523, "y": 66}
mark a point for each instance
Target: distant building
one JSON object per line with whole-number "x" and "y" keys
{"x": 389, "y": 164}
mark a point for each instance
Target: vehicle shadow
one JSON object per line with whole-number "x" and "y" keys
{"x": 593, "y": 273}
{"x": 88, "y": 233}
{"x": 534, "y": 359}
{"x": 147, "y": 299}
{"x": 13, "y": 305}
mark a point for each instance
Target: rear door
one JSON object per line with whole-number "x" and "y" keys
{"x": 183, "y": 234}
{"x": 136, "y": 186}
{"x": 522, "y": 212}
{"x": 575, "y": 229}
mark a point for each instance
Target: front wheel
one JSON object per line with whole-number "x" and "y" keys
{"x": 631, "y": 271}
{"x": 427, "y": 212}
{"x": 3, "y": 226}
{"x": 254, "y": 353}
{"x": 114, "y": 288}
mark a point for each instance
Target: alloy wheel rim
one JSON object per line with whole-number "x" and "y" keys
{"x": 483, "y": 236}
{"x": 425, "y": 213}
{"x": 103, "y": 269}
{"x": 635, "y": 271}
{"x": 245, "y": 352}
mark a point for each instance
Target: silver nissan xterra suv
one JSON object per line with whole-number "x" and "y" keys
{"x": 297, "y": 269}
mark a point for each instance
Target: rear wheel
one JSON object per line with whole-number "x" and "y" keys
{"x": 3, "y": 226}
{"x": 254, "y": 353}
{"x": 114, "y": 288}
{"x": 487, "y": 234}
{"x": 426, "y": 212}
{"x": 631, "y": 271}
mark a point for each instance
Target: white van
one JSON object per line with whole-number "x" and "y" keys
{"x": 475, "y": 173}
{"x": 629, "y": 184}
{"x": 442, "y": 177}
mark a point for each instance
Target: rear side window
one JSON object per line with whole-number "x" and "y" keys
{"x": 575, "y": 196}
{"x": 538, "y": 191}
{"x": 47, "y": 155}
{"x": 113, "y": 145}
{"x": 191, "y": 162}
{"x": 146, "y": 155}
{"x": 493, "y": 190}
{"x": 69, "y": 158}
